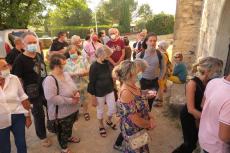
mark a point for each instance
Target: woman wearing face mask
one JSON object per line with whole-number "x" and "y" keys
{"x": 101, "y": 88}
{"x": 78, "y": 68}
{"x": 60, "y": 90}
{"x": 91, "y": 48}
{"x": 207, "y": 68}
{"x": 132, "y": 108}
{"x": 14, "y": 111}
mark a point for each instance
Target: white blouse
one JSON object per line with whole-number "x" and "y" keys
{"x": 11, "y": 96}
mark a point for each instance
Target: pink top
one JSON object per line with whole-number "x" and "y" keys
{"x": 216, "y": 109}
{"x": 90, "y": 50}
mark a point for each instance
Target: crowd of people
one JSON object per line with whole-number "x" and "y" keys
{"x": 106, "y": 72}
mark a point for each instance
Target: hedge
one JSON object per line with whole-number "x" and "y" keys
{"x": 76, "y": 30}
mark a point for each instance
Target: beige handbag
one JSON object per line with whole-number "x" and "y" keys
{"x": 139, "y": 139}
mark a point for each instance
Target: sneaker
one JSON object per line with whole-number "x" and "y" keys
{"x": 46, "y": 142}
{"x": 118, "y": 148}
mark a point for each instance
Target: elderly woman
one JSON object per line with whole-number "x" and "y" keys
{"x": 162, "y": 47}
{"x": 91, "y": 48}
{"x": 101, "y": 88}
{"x": 78, "y": 68}
{"x": 62, "y": 100}
{"x": 14, "y": 111}
{"x": 141, "y": 65}
{"x": 207, "y": 68}
{"x": 133, "y": 109}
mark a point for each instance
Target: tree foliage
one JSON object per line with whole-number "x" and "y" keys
{"x": 70, "y": 12}
{"x": 116, "y": 11}
{"x": 161, "y": 24}
{"x": 17, "y": 13}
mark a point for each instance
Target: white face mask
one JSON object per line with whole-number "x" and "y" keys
{"x": 32, "y": 48}
{"x": 5, "y": 73}
{"x": 113, "y": 36}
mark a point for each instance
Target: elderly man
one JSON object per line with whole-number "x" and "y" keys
{"x": 117, "y": 45}
{"x": 30, "y": 68}
{"x": 214, "y": 131}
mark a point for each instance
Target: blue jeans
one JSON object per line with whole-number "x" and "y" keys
{"x": 18, "y": 130}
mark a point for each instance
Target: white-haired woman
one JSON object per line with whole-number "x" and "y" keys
{"x": 207, "y": 68}
{"x": 163, "y": 46}
{"x": 78, "y": 68}
{"x": 101, "y": 88}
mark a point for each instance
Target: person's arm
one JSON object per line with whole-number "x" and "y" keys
{"x": 92, "y": 80}
{"x": 224, "y": 123}
{"x": 122, "y": 56}
{"x": 224, "y": 132}
{"x": 50, "y": 91}
{"x": 190, "y": 95}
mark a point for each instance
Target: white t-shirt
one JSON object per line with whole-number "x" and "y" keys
{"x": 11, "y": 97}
{"x": 216, "y": 109}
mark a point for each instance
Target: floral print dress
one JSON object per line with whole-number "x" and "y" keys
{"x": 128, "y": 128}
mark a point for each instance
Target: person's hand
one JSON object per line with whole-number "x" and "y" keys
{"x": 151, "y": 94}
{"x": 94, "y": 102}
{"x": 28, "y": 121}
{"x": 76, "y": 97}
{"x": 152, "y": 124}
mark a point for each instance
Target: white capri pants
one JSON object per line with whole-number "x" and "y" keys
{"x": 110, "y": 100}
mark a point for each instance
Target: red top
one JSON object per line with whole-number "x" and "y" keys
{"x": 117, "y": 47}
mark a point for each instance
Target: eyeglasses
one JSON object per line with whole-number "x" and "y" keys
{"x": 176, "y": 57}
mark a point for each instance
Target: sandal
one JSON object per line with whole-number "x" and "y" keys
{"x": 110, "y": 124}
{"x": 102, "y": 132}
{"x": 67, "y": 151}
{"x": 86, "y": 116}
{"x": 74, "y": 140}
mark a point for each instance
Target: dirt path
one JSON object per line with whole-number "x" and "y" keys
{"x": 165, "y": 137}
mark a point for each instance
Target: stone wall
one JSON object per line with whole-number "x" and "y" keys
{"x": 186, "y": 30}
{"x": 214, "y": 36}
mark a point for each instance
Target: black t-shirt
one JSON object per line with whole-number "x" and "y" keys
{"x": 100, "y": 79}
{"x": 13, "y": 54}
{"x": 30, "y": 70}
{"x": 57, "y": 45}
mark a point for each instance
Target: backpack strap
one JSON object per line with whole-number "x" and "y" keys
{"x": 142, "y": 54}
{"x": 56, "y": 109}
{"x": 159, "y": 55}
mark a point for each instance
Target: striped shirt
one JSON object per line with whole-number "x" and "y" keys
{"x": 66, "y": 90}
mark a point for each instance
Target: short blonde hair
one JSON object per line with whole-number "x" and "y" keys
{"x": 125, "y": 70}
{"x": 114, "y": 30}
{"x": 163, "y": 45}
{"x": 103, "y": 51}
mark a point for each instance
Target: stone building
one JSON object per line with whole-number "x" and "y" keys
{"x": 202, "y": 28}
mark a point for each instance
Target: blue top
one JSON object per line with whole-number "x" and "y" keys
{"x": 180, "y": 70}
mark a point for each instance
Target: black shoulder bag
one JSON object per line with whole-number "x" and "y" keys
{"x": 53, "y": 125}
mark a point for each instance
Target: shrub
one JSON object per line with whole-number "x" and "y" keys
{"x": 161, "y": 24}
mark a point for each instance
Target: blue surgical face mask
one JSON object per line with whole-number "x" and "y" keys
{"x": 73, "y": 56}
{"x": 139, "y": 76}
{"x": 32, "y": 48}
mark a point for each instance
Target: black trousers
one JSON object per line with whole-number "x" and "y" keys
{"x": 190, "y": 132}
{"x": 39, "y": 116}
{"x": 152, "y": 85}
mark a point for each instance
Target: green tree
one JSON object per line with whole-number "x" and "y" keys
{"x": 161, "y": 24}
{"x": 116, "y": 11}
{"x": 18, "y": 13}
{"x": 143, "y": 14}
{"x": 70, "y": 12}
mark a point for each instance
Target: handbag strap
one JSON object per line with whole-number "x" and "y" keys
{"x": 56, "y": 109}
